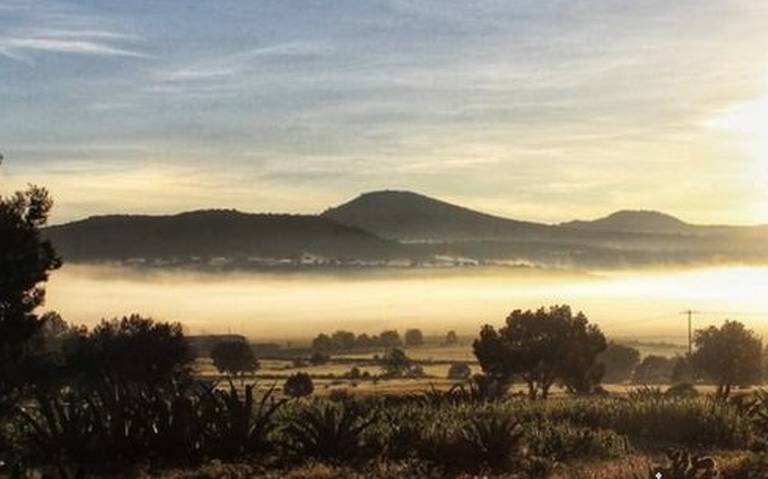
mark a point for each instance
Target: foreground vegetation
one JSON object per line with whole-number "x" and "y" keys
{"x": 179, "y": 428}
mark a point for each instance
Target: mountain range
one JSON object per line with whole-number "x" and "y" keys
{"x": 385, "y": 225}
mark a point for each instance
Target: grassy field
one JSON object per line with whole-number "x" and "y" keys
{"x": 434, "y": 357}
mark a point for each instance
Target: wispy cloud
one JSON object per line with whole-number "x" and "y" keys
{"x": 68, "y": 45}
{"x": 51, "y": 27}
{"x": 220, "y": 71}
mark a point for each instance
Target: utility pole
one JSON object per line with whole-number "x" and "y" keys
{"x": 690, "y": 314}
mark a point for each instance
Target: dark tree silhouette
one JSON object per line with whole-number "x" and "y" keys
{"x": 390, "y": 339}
{"x": 414, "y": 337}
{"x": 451, "y": 338}
{"x": 134, "y": 349}
{"x": 322, "y": 343}
{"x": 654, "y": 369}
{"x": 234, "y": 358}
{"x": 298, "y": 385}
{"x": 620, "y": 362}
{"x": 395, "y": 363}
{"x": 682, "y": 372}
{"x": 26, "y": 260}
{"x": 364, "y": 341}
{"x": 542, "y": 347}
{"x": 343, "y": 340}
{"x": 730, "y": 355}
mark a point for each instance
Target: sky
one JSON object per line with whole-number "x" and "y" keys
{"x": 533, "y": 109}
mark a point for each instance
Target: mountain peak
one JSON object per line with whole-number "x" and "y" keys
{"x": 637, "y": 221}
{"x": 406, "y": 215}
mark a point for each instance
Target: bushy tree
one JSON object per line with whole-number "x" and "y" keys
{"x": 52, "y": 348}
{"x": 451, "y": 338}
{"x": 364, "y": 341}
{"x": 730, "y": 356}
{"x": 390, "y": 339}
{"x": 542, "y": 347}
{"x": 414, "y": 337}
{"x": 620, "y": 362}
{"x": 654, "y": 369}
{"x": 26, "y": 260}
{"x": 134, "y": 349}
{"x": 395, "y": 363}
{"x": 298, "y": 385}
{"x": 322, "y": 343}
{"x": 234, "y": 357}
{"x": 343, "y": 340}
{"x": 682, "y": 372}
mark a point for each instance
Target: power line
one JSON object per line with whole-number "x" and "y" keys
{"x": 735, "y": 313}
{"x": 643, "y": 320}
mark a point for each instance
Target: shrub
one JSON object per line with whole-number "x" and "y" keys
{"x": 234, "y": 357}
{"x": 339, "y": 395}
{"x": 686, "y": 422}
{"x": 395, "y": 363}
{"x": 563, "y": 441}
{"x": 298, "y": 385}
{"x": 459, "y": 371}
{"x": 319, "y": 358}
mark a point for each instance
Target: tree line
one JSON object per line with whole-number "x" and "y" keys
{"x": 346, "y": 340}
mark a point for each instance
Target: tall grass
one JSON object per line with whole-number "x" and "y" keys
{"x": 100, "y": 431}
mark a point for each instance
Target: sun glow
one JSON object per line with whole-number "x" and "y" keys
{"x": 748, "y": 122}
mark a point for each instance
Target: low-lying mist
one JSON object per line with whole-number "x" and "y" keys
{"x": 644, "y": 304}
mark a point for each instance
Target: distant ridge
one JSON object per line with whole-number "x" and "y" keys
{"x": 406, "y": 215}
{"x": 403, "y": 225}
{"x": 636, "y": 221}
{"x": 209, "y": 233}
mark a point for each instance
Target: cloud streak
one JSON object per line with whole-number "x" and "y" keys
{"x": 64, "y": 45}
{"x": 56, "y": 28}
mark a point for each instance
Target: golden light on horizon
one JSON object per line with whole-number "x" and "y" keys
{"x": 748, "y": 123}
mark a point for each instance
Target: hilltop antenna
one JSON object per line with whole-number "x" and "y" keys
{"x": 690, "y": 314}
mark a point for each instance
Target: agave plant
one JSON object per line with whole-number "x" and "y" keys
{"x": 494, "y": 440}
{"x": 330, "y": 432}
{"x": 756, "y": 409}
{"x": 64, "y": 432}
{"x": 176, "y": 432}
{"x": 238, "y": 425}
